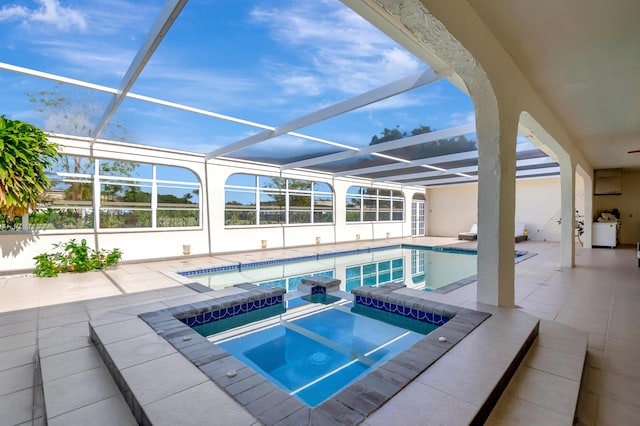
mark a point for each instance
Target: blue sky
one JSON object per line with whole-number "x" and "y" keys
{"x": 265, "y": 61}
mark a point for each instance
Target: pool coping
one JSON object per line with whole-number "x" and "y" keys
{"x": 266, "y": 401}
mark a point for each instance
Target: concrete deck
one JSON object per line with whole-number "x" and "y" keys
{"x": 600, "y": 297}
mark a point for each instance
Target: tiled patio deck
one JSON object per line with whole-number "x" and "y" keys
{"x": 601, "y": 297}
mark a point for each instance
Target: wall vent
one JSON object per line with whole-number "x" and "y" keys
{"x": 608, "y": 182}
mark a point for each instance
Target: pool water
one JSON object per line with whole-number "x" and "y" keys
{"x": 314, "y": 353}
{"x": 418, "y": 267}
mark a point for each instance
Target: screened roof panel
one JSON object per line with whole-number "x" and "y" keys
{"x": 271, "y": 61}
{"x": 293, "y": 83}
{"x": 437, "y": 148}
{"x": 354, "y": 163}
{"x": 397, "y": 116}
{"x": 282, "y": 150}
{"x": 167, "y": 127}
{"x": 90, "y": 40}
{"x": 395, "y": 172}
{"x": 532, "y": 153}
{"x": 52, "y": 106}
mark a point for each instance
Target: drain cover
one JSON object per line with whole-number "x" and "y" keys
{"x": 319, "y": 358}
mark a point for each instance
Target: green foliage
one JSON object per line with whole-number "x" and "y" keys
{"x": 74, "y": 257}
{"x": 51, "y": 218}
{"x": 429, "y": 149}
{"x": 25, "y": 153}
{"x": 14, "y": 224}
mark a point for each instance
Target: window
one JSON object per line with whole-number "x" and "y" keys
{"x": 68, "y": 203}
{"x": 125, "y": 203}
{"x": 266, "y": 200}
{"x": 374, "y": 205}
{"x": 178, "y": 197}
{"x": 322, "y": 203}
{"x": 374, "y": 274}
{"x": 124, "y": 194}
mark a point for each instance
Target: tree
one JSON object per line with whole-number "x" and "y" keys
{"x": 429, "y": 149}
{"x": 25, "y": 153}
{"x": 68, "y": 113}
{"x": 388, "y": 135}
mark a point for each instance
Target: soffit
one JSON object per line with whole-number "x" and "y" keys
{"x": 583, "y": 58}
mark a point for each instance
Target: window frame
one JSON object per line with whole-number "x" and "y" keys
{"x": 285, "y": 209}
{"x": 375, "y": 205}
{"x": 96, "y": 206}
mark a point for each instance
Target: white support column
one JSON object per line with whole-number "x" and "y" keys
{"x": 497, "y": 116}
{"x": 496, "y": 205}
{"x": 567, "y": 212}
{"x": 588, "y": 206}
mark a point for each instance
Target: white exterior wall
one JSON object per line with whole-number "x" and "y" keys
{"x": 213, "y": 237}
{"x": 18, "y": 249}
{"x": 454, "y": 209}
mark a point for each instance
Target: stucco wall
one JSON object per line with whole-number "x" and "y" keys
{"x": 454, "y": 209}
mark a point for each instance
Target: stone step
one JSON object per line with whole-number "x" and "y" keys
{"x": 545, "y": 387}
{"x": 78, "y": 389}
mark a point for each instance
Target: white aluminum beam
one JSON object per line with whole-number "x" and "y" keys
{"x": 149, "y": 99}
{"x": 536, "y": 172}
{"x": 167, "y": 17}
{"x": 424, "y": 162}
{"x": 400, "y": 86}
{"x": 520, "y": 173}
{"x": 57, "y": 78}
{"x": 384, "y": 146}
{"x": 469, "y": 169}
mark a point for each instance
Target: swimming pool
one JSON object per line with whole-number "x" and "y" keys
{"x": 427, "y": 268}
{"x": 316, "y": 350}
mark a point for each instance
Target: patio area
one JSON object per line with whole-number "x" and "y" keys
{"x": 600, "y": 298}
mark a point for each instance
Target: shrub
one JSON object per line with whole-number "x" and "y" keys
{"x": 74, "y": 257}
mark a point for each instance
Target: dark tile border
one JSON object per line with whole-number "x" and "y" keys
{"x": 271, "y": 405}
{"x": 240, "y": 266}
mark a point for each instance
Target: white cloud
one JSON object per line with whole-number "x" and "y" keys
{"x": 13, "y": 11}
{"x": 49, "y": 12}
{"x": 114, "y": 17}
{"x": 213, "y": 90}
{"x": 462, "y": 118}
{"x": 111, "y": 60}
{"x": 342, "y": 51}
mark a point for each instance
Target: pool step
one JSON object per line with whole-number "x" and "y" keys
{"x": 545, "y": 387}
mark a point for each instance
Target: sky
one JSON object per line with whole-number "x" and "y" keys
{"x": 264, "y": 61}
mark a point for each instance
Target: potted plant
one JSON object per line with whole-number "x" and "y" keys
{"x": 578, "y": 224}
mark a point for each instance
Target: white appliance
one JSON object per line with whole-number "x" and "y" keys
{"x": 605, "y": 234}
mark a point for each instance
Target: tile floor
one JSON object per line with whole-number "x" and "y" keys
{"x": 600, "y": 296}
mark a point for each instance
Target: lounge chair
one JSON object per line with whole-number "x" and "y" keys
{"x": 520, "y": 233}
{"x": 470, "y": 235}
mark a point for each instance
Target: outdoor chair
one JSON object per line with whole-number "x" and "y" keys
{"x": 470, "y": 235}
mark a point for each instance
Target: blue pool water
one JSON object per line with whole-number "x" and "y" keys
{"x": 425, "y": 268}
{"x": 316, "y": 354}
